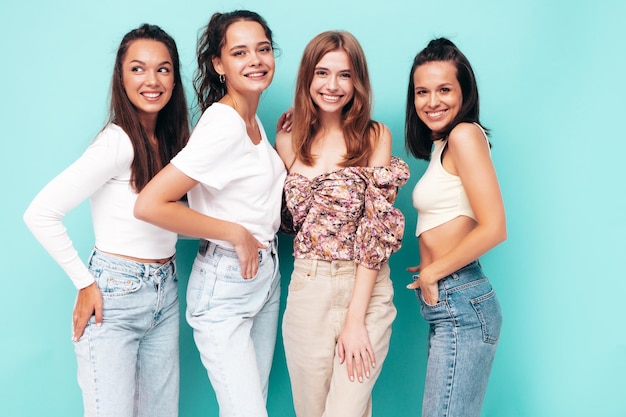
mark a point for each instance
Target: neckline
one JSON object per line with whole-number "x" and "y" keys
{"x": 243, "y": 123}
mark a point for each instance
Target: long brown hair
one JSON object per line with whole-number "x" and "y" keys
{"x": 206, "y": 81}
{"x": 360, "y": 131}
{"x": 418, "y": 137}
{"x": 172, "y": 128}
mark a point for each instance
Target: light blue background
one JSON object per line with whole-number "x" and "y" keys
{"x": 551, "y": 77}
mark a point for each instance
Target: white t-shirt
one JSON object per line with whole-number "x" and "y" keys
{"x": 101, "y": 174}
{"x": 238, "y": 181}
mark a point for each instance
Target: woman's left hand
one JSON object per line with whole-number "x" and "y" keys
{"x": 354, "y": 348}
{"x": 430, "y": 290}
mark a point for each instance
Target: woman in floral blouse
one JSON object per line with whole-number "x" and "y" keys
{"x": 339, "y": 192}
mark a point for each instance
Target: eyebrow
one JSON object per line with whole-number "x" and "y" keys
{"x": 319, "y": 67}
{"x": 143, "y": 63}
{"x": 262, "y": 43}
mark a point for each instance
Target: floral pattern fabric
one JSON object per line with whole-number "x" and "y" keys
{"x": 346, "y": 214}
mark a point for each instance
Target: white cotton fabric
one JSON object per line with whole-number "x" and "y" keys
{"x": 101, "y": 174}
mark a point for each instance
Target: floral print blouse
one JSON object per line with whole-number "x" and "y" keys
{"x": 346, "y": 214}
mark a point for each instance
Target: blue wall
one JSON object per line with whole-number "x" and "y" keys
{"x": 551, "y": 76}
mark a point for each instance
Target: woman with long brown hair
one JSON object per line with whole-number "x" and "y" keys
{"x": 126, "y": 318}
{"x": 339, "y": 192}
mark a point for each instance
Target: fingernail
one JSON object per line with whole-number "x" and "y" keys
{"x": 360, "y": 379}
{"x": 98, "y": 324}
{"x": 367, "y": 374}
{"x": 351, "y": 379}
{"x": 74, "y": 339}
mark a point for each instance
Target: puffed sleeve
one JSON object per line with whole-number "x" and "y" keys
{"x": 381, "y": 228}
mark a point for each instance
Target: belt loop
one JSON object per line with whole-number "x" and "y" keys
{"x": 210, "y": 248}
{"x": 203, "y": 247}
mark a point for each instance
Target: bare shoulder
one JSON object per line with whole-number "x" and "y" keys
{"x": 381, "y": 155}
{"x": 466, "y": 137}
{"x": 284, "y": 147}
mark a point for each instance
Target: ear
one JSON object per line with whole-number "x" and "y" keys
{"x": 217, "y": 64}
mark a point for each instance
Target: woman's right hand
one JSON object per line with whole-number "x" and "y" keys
{"x": 285, "y": 121}
{"x": 88, "y": 303}
{"x": 247, "y": 250}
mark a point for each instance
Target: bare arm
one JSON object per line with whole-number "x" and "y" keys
{"x": 158, "y": 204}
{"x": 284, "y": 148}
{"x": 468, "y": 157}
{"x": 353, "y": 344}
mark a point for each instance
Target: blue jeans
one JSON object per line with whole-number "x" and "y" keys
{"x": 234, "y": 325}
{"x": 464, "y": 330}
{"x": 129, "y": 366}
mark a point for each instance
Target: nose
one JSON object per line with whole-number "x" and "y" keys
{"x": 433, "y": 100}
{"x": 151, "y": 78}
{"x": 255, "y": 59}
{"x": 332, "y": 83}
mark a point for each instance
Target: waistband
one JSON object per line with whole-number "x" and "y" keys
{"x": 208, "y": 248}
{"x": 124, "y": 264}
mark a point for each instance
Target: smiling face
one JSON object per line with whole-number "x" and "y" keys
{"x": 148, "y": 78}
{"x": 332, "y": 86}
{"x": 247, "y": 58}
{"x": 438, "y": 96}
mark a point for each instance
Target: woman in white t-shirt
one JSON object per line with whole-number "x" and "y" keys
{"x": 126, "y": 318}
{"x": 234, "y": 179}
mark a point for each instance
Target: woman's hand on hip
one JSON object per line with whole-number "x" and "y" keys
{"x": 88, "y": 303}
{"x": 247, "y": 249}
{"x": 430, "y": 290}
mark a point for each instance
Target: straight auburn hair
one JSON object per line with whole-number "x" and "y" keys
{"x": 360, "y": 131}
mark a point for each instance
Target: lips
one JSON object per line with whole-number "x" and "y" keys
{"x": 436, "y": 115}
{"x": 151, "y": 95}
{"x": 256, "y": 74}
{"x": 331, "y": 98}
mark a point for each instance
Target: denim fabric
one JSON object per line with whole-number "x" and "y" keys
{"x": 129, "y": 366}
{"x": 319, "y": 296}
{"x": 464, "y": 331}
{"x": 235, "y": 323}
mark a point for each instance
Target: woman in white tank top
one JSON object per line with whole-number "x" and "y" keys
{"x": 460, "y": 217}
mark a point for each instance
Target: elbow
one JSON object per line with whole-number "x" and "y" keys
{"x": 500, "y": 233}
{"x": 141, "y": 210}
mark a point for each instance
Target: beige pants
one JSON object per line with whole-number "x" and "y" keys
{"x": 318, "y": 299}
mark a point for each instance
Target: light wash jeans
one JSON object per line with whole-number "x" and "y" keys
{"x": 129, "y": 366}
{"x": 235, "y": 323}
{"x": 464, "y": 330}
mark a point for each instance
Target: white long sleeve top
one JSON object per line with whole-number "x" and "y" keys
{"x": 101, "y": 174}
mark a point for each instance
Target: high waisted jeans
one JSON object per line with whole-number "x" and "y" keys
{"x": 464, "y": 330}
{"x": 234, "y": 323}
{"x": 317, "y": 303}
{"x": 129, "y": 366}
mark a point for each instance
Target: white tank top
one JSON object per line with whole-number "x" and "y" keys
{"x": 439, "y": 196}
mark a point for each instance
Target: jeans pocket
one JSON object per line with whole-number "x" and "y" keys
{"x": 116, "y": 283}
{"x": 487, "y": 308}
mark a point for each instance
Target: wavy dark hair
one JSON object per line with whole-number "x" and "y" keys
{"x": 206, "y": 81}
{"x": 172, "y": 127}
{"x": 418, "y": 137}
{"x": 360, "y": 131}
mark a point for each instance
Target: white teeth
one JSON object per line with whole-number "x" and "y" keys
{"x": 435, "y": 113}
{"x": 151, "y": 95}
{"x": 330, "y": 98}
{"x": 256, "y": 74}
